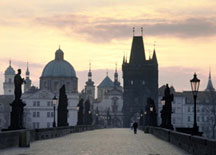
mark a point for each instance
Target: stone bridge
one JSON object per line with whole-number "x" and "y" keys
{"x": 116, "y": 141}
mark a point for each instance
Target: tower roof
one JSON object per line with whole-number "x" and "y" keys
{"x": 58, "y": 67}
{"x": 10, "y": 70}
{"x": 107, "y": 82}
{"x": 27, "y": 70}
{"x": 154, "y": 57}
{"x": 209, "y": 85}
{"x": 137, "y": 55}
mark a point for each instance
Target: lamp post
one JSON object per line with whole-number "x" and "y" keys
{"x": 145, "y": 115}
{"x": 141, "y": 118}
{"x": 54, "y": 106}
{"x": 96, "y": 122}
{"x": 195, "y": 82}
{"x": 151, "y": 115}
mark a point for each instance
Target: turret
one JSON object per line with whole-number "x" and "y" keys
{"x": 8, "y": 84}
{"x": 27, "y": 85}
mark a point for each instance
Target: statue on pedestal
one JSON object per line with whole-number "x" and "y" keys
{"x": 16, "y": 119}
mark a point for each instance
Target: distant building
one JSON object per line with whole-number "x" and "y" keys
{"x": 140, "y": 78}
{"x": 8, "y": 84}
{"x": 107, "y": 107}
{"x": 27, "y": 84}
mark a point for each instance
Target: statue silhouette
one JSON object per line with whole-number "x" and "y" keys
{"x": 18, "y": 81}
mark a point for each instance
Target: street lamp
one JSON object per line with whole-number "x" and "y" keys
{"x": 78, "y": 108}
{"x": 195, "y": 82}
{"x": 163, "y": 102}
{"x": 54, "y": 104}
{"x": 151, "y": 109}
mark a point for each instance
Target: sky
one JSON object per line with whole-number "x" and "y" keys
{"x": 100, "y": 32}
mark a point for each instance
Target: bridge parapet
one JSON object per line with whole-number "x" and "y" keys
{"x": 23, "y": 137}
{"x": 193, "y": 144}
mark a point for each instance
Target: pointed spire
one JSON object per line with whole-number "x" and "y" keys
{"x": 133, "y": 31}
{"x": 10, "y": 63}
{"x": 210, "y": 86}
{"x": 137, "y": 54}
{"x": 90, "y": 73}
{"x": 106, "y": 72}
{"x": 116, "y": 67}
{"x": 154, "y": 57}
{"x": 59, "y": 46}
{"x": 141, "y": 31}
{"x": 209, "y": 73}
{"x": 27, "y": 71}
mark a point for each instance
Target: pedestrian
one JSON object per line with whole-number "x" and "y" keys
{"x": 135, "y": 125}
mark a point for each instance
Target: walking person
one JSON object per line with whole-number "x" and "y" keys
{"x": 135, "y": 125}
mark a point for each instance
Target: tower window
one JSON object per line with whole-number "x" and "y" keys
{"x": 131, "y": 82}
{"x": 9, "y": 80}
{"x": 9, "y": 91}
{"x": 143, "y": 82}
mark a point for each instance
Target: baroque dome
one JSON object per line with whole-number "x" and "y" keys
{"x": 58, "y": 67}
{"x": 9, "y": 70}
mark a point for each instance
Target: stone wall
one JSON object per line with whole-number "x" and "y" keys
{"x": 23, "y": 138}
{"x": 195, "y": 145}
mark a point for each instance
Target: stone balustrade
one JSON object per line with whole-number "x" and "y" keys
{"x": 22, "y": 138}
{"x": 195, "y": 145}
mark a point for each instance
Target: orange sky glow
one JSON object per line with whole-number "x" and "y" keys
{"x": 100, "y": 31}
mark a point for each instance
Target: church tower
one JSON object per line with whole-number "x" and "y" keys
{"x": 89, "y": 87}
{"x": 140, "y": 80}
{"x": 210, "y": 86}
{"x": 116, "y": 82}
{"x": 27, "y": 85}
{"x": 8, "y": 84}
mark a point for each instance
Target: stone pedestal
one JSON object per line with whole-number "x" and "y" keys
{"x": 16, "y": 119}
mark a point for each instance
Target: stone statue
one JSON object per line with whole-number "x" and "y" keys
{"x": 18, "y": 81}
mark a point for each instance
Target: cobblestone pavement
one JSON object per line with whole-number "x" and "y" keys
{"x": 100, "y": 142}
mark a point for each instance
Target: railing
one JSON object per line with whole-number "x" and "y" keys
{"x": 22, "y": 138}
{"x": 193, "y": 144}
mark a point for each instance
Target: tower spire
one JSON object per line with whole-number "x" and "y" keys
{"x": 106, "y": 72}
{"x": 10, "y": 63}
{"x": 89, "y": 73}
{"x": 27, "y": 71}
{"x": 141, "y": 31}
{"x": 116, "y": 67}
{"x": 210, "y": 86}
{"x": 133, "y": 31}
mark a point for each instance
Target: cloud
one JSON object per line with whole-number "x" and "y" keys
{"x": 106, "y": 29}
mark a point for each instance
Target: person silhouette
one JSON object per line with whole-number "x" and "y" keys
{"x": 135, "y": 125}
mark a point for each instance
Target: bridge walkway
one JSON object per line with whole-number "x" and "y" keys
{"x": 100, "y": 142}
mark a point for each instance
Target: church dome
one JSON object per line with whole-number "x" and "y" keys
{"x": 58, "y": 67}
{"x": 9, "y": 70}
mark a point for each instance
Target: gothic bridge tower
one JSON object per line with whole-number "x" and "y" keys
{"x": 140, "y": 80}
